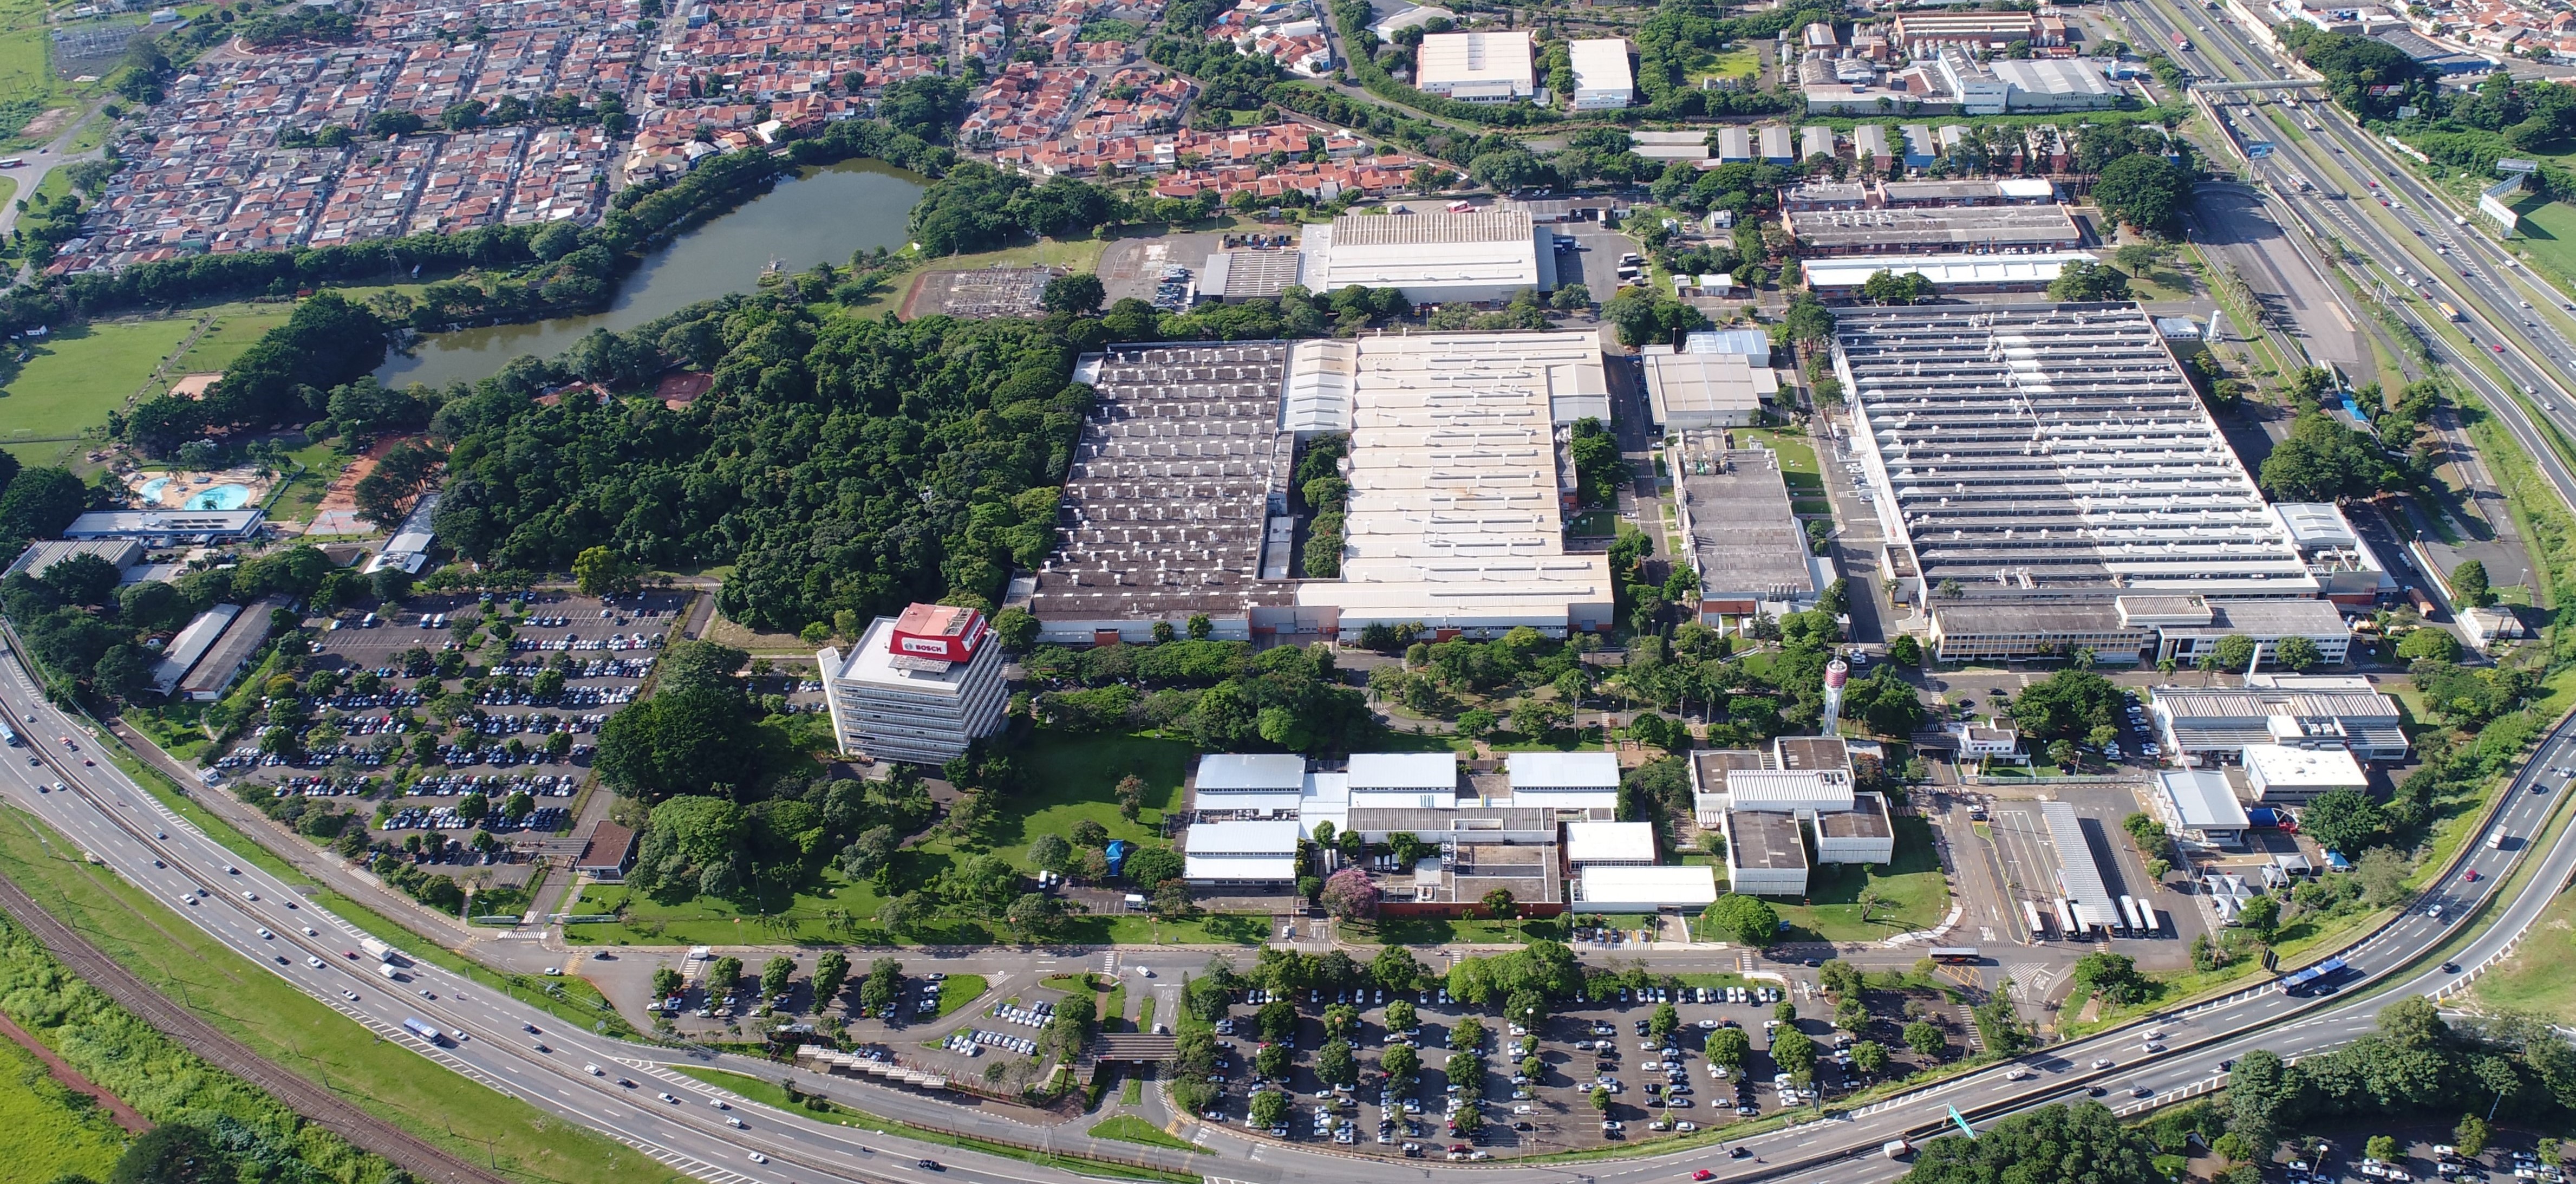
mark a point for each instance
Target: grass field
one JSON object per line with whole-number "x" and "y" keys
{"x": 1127, "y": 1128}
{"x": 285, "y": 1025}
{"x": 46, "y": 1130}
{"x": 234, "y": 328}
{"x": 958, "y": 990}
{"x": 1914, "y": 893}
{"x": 1070, "y": 778}
{"x": 1426, "y": 931}
{"x": 2548, "y": 231}
{"x": 78, "y": 375}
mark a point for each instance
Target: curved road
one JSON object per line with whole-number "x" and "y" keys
{"x": 113, "y": 820}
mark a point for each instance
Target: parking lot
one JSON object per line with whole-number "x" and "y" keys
{"x": 1657, "y": 1079}
{"x": 523, "y": 685}
{"x": 2427, "y": 1156}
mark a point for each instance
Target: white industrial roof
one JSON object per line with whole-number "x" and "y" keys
{"x": 1432, "y": 253}
{"x": 1789, "y": 790}
{"x": 1562, "y": 771}
{"x": 2040, "y": 268}
{"x": 1679, "y": 886}
{"x": 1242, "y": 838}
{"x": 1694, "y": 386}
{"x": 1374, "y": 772}
{"x": 1751, "y": 343}
{"x": 1243, "y": 868}
{"x": 2313, "y": 525}
{"x": 1609, "y": 842}
{"x": 1455, "y": 516}
{"x": 1243, "y": 772}
{"x": 2038, "y": 188}
{"x": 1453, "y": 59}
{"x": 1600, "y": 63}
{"x": 871, "y": 662}
{"x": 2202, "y": 799}
{"x": 2278, "y": 765}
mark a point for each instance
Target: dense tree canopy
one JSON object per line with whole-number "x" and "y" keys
{"x": 2077, "y": 1144}
{"x": 844, "y": 465}
{"x": 2144, "y": 190}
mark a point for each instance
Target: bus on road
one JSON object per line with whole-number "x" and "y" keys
{"x": 1956, "y": 955}
{"x": 2317, "y": 978}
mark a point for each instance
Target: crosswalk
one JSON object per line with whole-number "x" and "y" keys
{"x": 1109, "y": 963}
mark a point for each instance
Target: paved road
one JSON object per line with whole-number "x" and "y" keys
{"x": 109, "y": 817}
{"x": 33, "y": 166}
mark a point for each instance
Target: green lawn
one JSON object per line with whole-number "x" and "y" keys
{"x": 1429, "y": 931}
{"x": 1070, "y": 778}
{"x": 79, "y": 374}
{"x": 285, "y": 1025}
{"x": 1127, "y": 1128}
{"x": 46, "y": 1130}
{"x": 1917, "y": 896}
{"x": 2548, "y": 232}
{"x": 1797, "y": 456}
{"x": 235, "y": 328}
{"x": 958, "y": 990}
{"x": 768, "y": 1093}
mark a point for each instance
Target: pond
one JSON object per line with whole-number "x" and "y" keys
{"x": 822, "y": 217}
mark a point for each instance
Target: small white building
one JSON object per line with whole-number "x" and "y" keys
{"x": 920, "y": 687}
{"x": 1229, "y": 854}
{"x": 1992, "y": 740}
{"x": 1482, "y": 67}
{"x": 1690, "y": 887}
{"x": 1587, "y": 781}
{"x": 1253, "y": 784}
{"x": 190, "y": 645}
{"x": 2199, "y": 806}
{"x": 2281, "y": 774}
{"x": 1403, "y": 781}
{"x": 2484, "y": 627}
{"x": 1801, "y": 792}
{"x": 1602, "y": 79}
{"x": 1609, "y": 844}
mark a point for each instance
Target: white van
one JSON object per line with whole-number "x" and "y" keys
{"x": 2495, "y": 841}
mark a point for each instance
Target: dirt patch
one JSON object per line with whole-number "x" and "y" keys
{"x": 72, "y": 1080}
{"x": 49, "y": 124}
{"x": 338, "y": 511}
{"x": 727, "y": 631}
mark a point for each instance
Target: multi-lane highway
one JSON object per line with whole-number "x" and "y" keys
{"x": 263, "y": 920}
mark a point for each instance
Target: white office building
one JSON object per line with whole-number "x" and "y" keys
{"x": 2279, "y": 774}
{"x": 1490, "y": 67}
{"x": 1602, "y": 79}
{"x": 1623, "y": 889}
{"x": 1240, "y": 854}
{"x": 1609, "y": 844}
{"x": 1249, "y": 784}
{"x": 1582, "y": 781}
{"x": 920, "y": 687}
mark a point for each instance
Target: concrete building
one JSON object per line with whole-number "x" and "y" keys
{"x": 2280, "y": 774}
{"x": 41, "y": 555}
{"x": 1866, "y": 833}
{"x": 2485, "y": 627}
{"x": 1743, "y": 532}
{"x": 167, "y": 528}
{"x": 1485, "y": 254}
{"x": 190, "y": 645}
{"x": 1922, "y": 34}
{"x": 920, "y": 687}
{"x": 2213, "y": 724}
{"x": 1457, "y": 487}
{"x": 1240, "y": 854}
{"x": 1609, "y": 844}
{"x": 1774, "y": 144}
{"x": 1232, "y": 277}
{"x": 1248, "y": 785}
{"x": 1753, "y": 345}
{"x": 1176, "y": 502}
{"x": 1919, "y": 148}
{"x": 1993, "y": 740}
{"x": 1766, "y": 855}
{"x": 1602, "y": 79}
{"x": 1585, "y": 782}
{"x": 2199, "y": 806}
{"x": 2347, "y": 570}
{"x": 2001, "y": 630}
{"x": 1734, "y": 145}
{"x": 1815, "y": 140}
{"x": 1486, "y": 67}
{"x": 2053, "y": 84}
{"x": 408, "y": 549}
{"x": 232, "y": 651}
{"x": 1694, "y": 391}
{"x": 1911, "y": 231}
{"x": 2188, "y": 627}
{"x": 1950, "y": 275}
{"x": 1687, "y": 145}
{"x": 1686, "y": 888}
{"x": 2032, "y": 462}
{"x": 1403, "y": 781}
{"x": 1712, "y": 771}
{"x": 1869, "y": 145}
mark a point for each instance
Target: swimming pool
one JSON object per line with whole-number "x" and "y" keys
{"x": 151, "y": 490}
{"x": 219, "y": 497}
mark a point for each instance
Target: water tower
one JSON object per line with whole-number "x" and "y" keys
{"x": 1837, "y": 672}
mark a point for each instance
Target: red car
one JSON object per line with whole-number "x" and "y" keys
{"x": 2471, "y": 876}
{"x": 1703, "y": 1174}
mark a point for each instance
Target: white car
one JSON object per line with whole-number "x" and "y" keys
{"x": 757, "y": 1157}
{"x": 308, "y": 932}
{"x": 315, "y": 963}
{"x": 265, "y": 935}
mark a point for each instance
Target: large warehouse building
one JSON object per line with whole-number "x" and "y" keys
{"x": 1177, "y": 505}
{"x": 1434, "y": 258}
{"x": 2033, "y": 463}
{"x": 1490, "y": 67}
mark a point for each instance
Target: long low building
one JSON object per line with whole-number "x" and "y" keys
{"x": 2220, "y": 723}
{"x": 1843, "y": 277}
{"x": 167, "y": 528}
{"x": 232, "y": 651}
{"x": 190, "y": 646}
{"x": 41, "y": 555}
{"x": 1930, "y": 231}
{"x": 1478, "y": 255}
{"x": 1240, "y": 854}
{"x": 1742, "y": 529}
